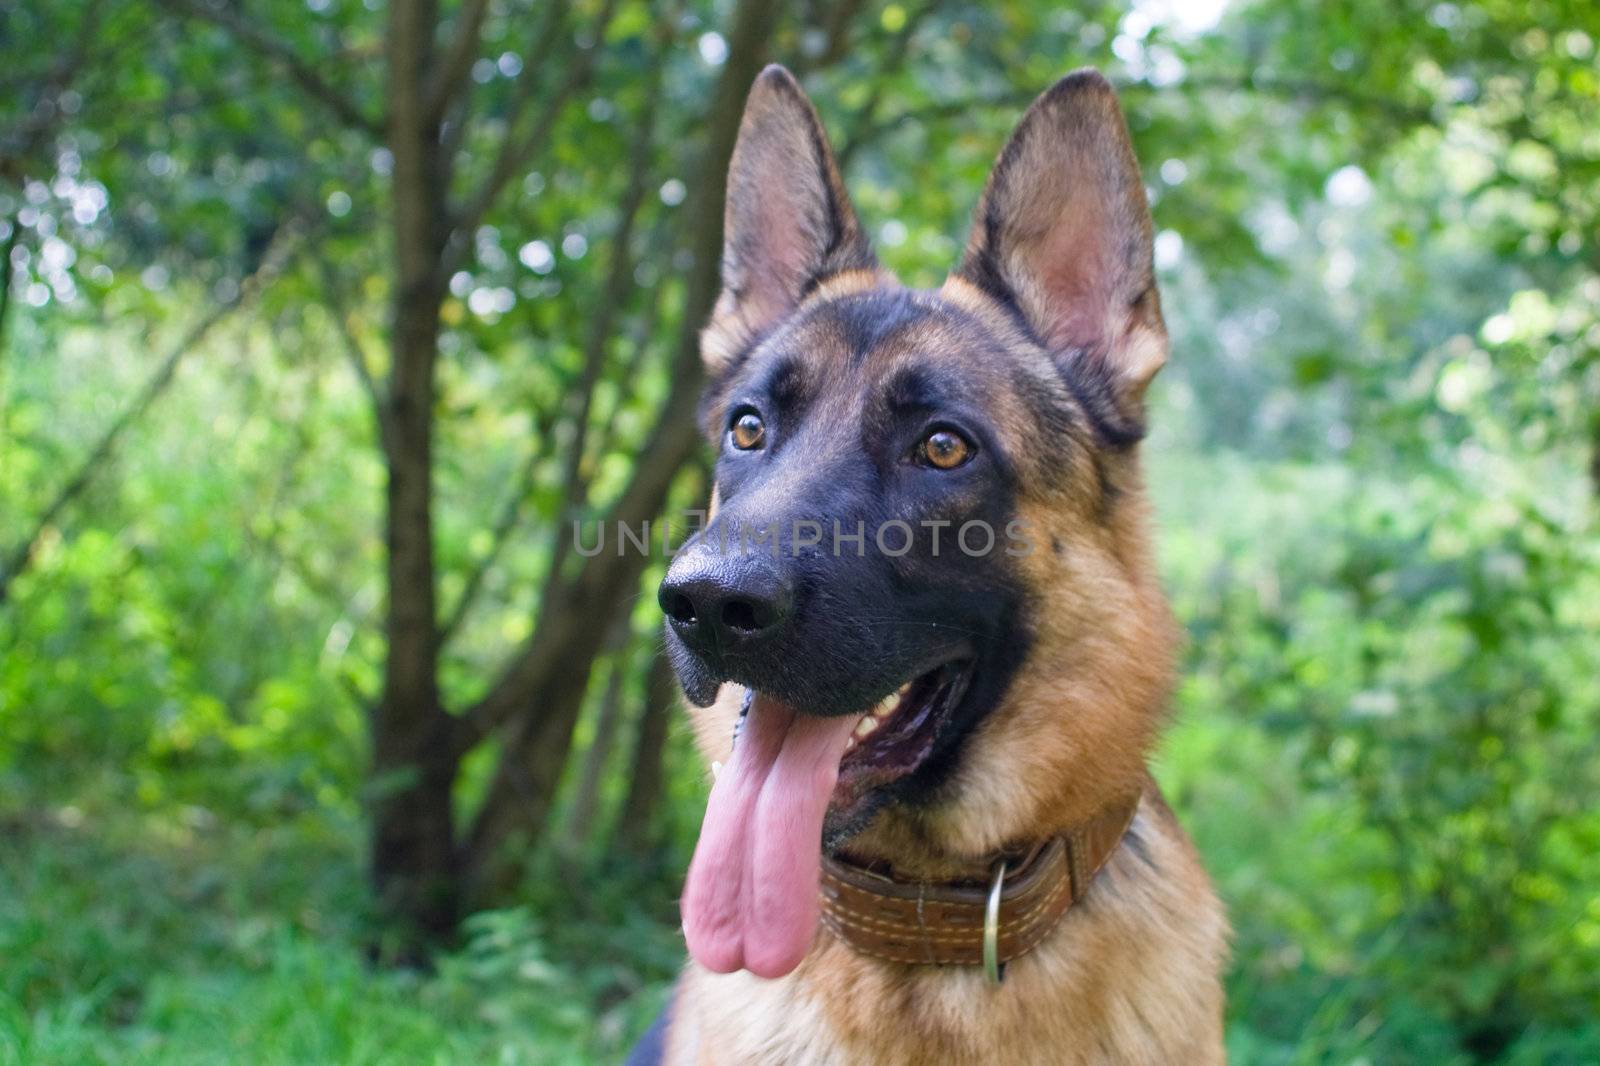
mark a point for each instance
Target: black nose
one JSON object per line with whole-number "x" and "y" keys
{"x": 715, "y": 602}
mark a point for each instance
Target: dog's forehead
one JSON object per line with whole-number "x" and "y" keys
{"x": 872, "y": 344}
{"x": 844, "y": 357}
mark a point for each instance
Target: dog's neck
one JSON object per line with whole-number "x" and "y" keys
{"x": 995, "y": 915}
{"x": 906, "y": 842}
{"x": 978, "y": 815}
{"x": 899, "y": 844}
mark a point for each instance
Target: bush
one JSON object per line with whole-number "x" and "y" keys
{"x": 1408, "y": 674}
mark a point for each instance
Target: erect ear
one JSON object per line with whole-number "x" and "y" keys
{"x": 788, "y": 222}
{"x": 1062, "y": 233}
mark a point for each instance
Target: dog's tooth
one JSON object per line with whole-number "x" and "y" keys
{"x": 887, "y": 706}
{"x": 865, "y": 727}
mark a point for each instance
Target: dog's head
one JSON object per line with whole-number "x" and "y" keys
{"x": 926, "y": 545}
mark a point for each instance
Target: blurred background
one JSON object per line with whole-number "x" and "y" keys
{"x": 321, "y": 320}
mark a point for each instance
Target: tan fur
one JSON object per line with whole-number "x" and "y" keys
{"x": 850, "y": 281}
{"x": 1132, "y": 973}
{"x": 1129, "y": 977}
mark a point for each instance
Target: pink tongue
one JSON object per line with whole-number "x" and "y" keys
{"x": 750, "y": 900}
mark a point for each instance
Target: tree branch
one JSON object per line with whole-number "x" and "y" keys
{"x": 300, "y": 70}
{"x": 837, "y": 15}
{"x": 1304, "y": 90}
{"x": 451, "y": 72}
{"x": 584, "y": 808}
{"x": 504, "y": 526}
{"x": 638, "y": 341}
{"x": 613, "y": 296}
{"x": 339, "y": 311}
{"x": 540, "y": 48}
{"x": 574, "y": 486}
{"x": 17, "y": 146}
{"x": 269, "y": 544}
{"x": 619, "y": 277}
{"x": 13, "y": 234}
{"x": 638, "y": 815}
{"x": 516, "y": 153}
{"x": 893, "y": 57}
{"x": 271, "y": 266}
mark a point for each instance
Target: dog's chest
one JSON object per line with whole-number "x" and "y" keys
{"x": 841, "y": 1010}
{"x": 737, "y": 1018}
{"x": 1132, "y": 976}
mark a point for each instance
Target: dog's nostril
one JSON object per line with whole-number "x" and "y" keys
{"x": 739, "y": 614}
{"x": 681, "y": 608}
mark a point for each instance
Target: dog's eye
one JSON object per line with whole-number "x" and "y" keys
{"x": 944, "y": 449}
{"x": 748, "y": 431}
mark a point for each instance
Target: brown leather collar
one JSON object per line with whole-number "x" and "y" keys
{"x": 942, "y": 922}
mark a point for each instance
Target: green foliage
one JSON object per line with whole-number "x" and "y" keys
{"x": 1403, "y": 677}
{"x": 207, "y": 944}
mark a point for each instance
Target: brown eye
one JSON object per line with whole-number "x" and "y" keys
{"x": 945, "y": 449}
{"x": 748, "y": 431}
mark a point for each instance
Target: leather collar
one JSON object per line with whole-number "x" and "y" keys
{"x": 942, "y": 923}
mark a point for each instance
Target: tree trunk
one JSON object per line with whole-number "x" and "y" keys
{"x": 414, "y": 763}
{"x": 414, "y": 858}
{"x": 517, "y": 807}
{"x": 638, "y": 818}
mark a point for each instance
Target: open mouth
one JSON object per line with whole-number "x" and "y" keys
{"x": 898, "y": 735}
{"x": 750, "y": 897}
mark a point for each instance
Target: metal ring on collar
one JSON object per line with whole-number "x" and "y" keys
{"x": 991, "y": 925}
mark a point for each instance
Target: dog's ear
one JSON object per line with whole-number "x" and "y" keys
{"x": 1062, "y": 234}
{"x": 788, "y": 222}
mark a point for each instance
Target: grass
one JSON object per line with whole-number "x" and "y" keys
{"x": 125, "y": 942}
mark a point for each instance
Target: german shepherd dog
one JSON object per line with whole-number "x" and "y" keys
{"x": 923, "y": 630}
